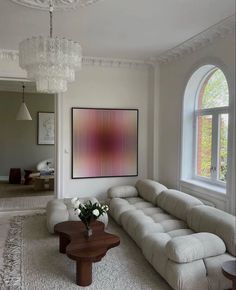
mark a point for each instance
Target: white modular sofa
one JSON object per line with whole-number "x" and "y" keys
{"x": 184, "y": 240}
{"x": 61, "y": 210}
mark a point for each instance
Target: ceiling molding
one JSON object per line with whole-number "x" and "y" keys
{"x": 112, "y": 62}
{"x": 57, "y": 4}
{"x": 10, "y": 55}
{"x": 13, "y": 55}
{"x": 204, "y": 38}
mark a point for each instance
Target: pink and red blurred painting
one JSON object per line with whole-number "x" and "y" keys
{"x": 105, "y": 142}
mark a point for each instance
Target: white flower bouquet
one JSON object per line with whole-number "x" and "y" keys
{"x": 88, "y": 211}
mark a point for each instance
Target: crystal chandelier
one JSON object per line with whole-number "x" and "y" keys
{"x": 50, "y": 61}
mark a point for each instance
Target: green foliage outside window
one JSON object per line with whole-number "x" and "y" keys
{"x": 215, "y": 94}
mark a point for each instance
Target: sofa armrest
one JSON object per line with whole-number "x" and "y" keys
{"x": 193, "y": 247}
{"x": 122, "y": 191}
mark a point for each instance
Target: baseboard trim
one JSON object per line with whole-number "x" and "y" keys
{"x": 4, "y": 178}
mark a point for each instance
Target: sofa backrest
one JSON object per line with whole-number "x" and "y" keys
{"x": 209, "y": 219}
{"x": 177, "y": 203}
{"x": 149, "y": 189}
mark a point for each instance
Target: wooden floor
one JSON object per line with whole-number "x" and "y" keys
{"x": 18, "y": 190}
{"x": 22, "y": 197}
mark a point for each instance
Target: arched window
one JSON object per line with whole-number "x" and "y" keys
{"x": 211, "y": 127}
{"x": 205, "y": 129}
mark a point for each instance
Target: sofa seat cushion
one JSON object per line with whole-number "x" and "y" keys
{"x": 209, "y": 219}
{"x": 173, "y": 224}
{"x": 179, "y": 276}
{"x": 177, "y": 203}
{"x": 216, "y": 279}
{"x": 150, "y": 211}
{"x": 143, "y": 204}
{"x": 118, "y": 206}
{"x": 149, "y": 189}
{"x": 180, "y": 232}
{"x": 187, "y": 276}
{"x": 193, "y": 247}
{"x": 134, "y": 200}
{"x": 140, "y": 222}
{"x": 153, "y": 248}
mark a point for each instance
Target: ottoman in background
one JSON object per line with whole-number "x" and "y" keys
{"x": 61, "y": 210}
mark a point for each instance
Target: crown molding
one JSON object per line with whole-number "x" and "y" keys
{"x": 112, "y": 62}
{"x": 13, "y": 55}
{"x": 10, "y": 55}
{"x": 203, "y": 39}
{"x": 57, "y": 4}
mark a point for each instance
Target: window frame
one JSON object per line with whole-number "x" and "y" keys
{"x": 215, "y": 112}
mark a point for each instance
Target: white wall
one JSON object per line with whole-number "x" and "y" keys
{"x": 18, "y": 141}
{"x": 106, "y": 87}
{"x": 173, "y": 80}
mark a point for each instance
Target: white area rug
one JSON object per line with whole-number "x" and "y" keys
{"x": 24, "y": 203}
{"x": 32, "y": 262}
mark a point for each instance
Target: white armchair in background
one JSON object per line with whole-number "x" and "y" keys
{"x": 46, "y": 165}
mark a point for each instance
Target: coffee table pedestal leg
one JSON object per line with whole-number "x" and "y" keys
{"x": 63, "y": 243}
{"x": 83, "y": 273}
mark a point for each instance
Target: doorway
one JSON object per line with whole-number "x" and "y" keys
{"x": 26, "y": 147}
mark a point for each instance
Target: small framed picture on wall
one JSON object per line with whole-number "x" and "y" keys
{"x": 45, "y": 128}
{"x": 104, "y": 142}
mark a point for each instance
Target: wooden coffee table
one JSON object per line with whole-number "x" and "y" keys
{"x": 84, "y": 251}
{"x": 40, "y": 182}
{"x": 229, "y": 271}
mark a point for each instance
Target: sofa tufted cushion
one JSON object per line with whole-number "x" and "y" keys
{"x": 193, "y": 247}
{"x": 122, "y": 191}
{"x": 153, "y": 249}
{"x": 149, "y": 189}
{"x": 177, "y": 203}
{"x": 56, "y": 213}
{"x": 187, "y": 276}
{"x": 118, "y": 206}
{"x": 209, "y": 219}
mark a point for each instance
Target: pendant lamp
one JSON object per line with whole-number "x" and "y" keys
{"x": 23, "y": 112}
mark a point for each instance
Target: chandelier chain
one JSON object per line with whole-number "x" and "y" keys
{"x": 50, "y": 13}
{"x": 23, "y": 93}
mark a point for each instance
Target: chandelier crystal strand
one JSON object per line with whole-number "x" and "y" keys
{"x": 50, "y": 61}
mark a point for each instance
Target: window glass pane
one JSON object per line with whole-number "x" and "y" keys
{"x": 214, "y": 92}
{"x": 223, "y": 144}
{"x": 204, "y": 144}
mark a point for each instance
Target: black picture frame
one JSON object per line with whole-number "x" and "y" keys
{"x": 45, "y": 128}
{"x": 73, "y": 110}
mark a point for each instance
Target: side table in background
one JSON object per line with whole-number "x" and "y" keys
{"x": 15, "y": 176}
{"x": 229, "y": 271}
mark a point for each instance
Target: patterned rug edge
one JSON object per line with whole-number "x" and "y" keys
{"x": 11, "y": 272}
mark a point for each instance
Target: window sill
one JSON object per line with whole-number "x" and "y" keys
{"x": 216, "y": 192}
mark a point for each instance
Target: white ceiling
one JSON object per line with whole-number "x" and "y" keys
{"x": 134, "y": 29}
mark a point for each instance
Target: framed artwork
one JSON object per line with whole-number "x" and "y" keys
{"x": 104, "y": 142}
{"x": 45, "y": 128}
